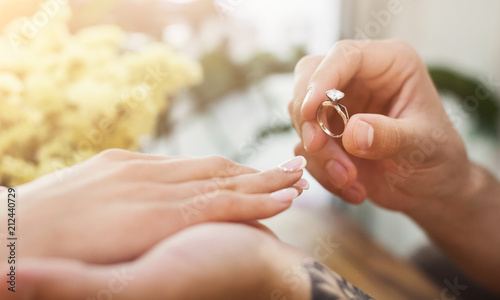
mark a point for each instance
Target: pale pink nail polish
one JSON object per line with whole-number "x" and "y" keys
{"x": 302, "y": 184}
{"x": 293, "y": 165}
{"x": 285, "y": 195}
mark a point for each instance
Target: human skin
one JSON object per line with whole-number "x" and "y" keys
{"x": 115, "y": 206}
{"x": 206, "y": 261}
{"x": 144, "y": 247}
{"x": 399, "y": 149}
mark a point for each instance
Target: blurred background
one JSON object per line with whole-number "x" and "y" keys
{"x": 247, "y": 51}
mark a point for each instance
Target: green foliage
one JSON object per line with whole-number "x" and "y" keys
{"x": 462, "y": 86}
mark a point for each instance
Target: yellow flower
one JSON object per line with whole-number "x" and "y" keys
{"x": 65, "y": 97}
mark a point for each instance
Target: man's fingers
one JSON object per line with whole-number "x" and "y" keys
{"x": 370, "y": 61}
{"x": 336, "y": 173}
{"x": 313, "y": 137}
{"x": 373, "y": 136}
{"x": 261, "y": 227}
{"x": 62, "y": 279}
{"x": 338, "y": 168}
{"x": 333, "y": 72}
{"x": 303, "y": 72}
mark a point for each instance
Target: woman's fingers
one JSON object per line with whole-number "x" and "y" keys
{"x": 226, "y": 205}
{"x": 184, "y": 169}
{"x": 283, "y": 176}
{"x": 286, "y": 175}
{"x": 125, "y": 155}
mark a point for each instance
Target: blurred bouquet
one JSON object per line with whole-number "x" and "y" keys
{"x": 65, "y": 97}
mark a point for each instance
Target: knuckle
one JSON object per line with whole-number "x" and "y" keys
{"x": 220, "y": 160}
{"x": 131, "y": 169}
{"x": 342, "y": 44}
{"x": 271, "y": 177}
{"x": 399, "y": 140}
{"x": 224, "y": 167}
{"x": 223, "y": 205}
{"x": 223, "y": 183}
{"x": 407, "y": 52}
{"x": 304, "y": 62}
{"x": 350, "y": 50}
{"x": 114, "y": 154}
{"x": 402, "y": 44}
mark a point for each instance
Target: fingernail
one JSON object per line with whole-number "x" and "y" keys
{"x": 352, "y": 195}
{"x": 285, "y": 195}
{"x": 302, "y": 184}
{"x": 293, "y": 165}
{"x": 363, "y": 135}
{"x": 306, "y": 100}
{"x": 337, "y": 173}
{"x": 308, "y": 133}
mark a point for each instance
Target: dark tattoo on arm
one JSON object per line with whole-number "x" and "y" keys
{"x": 326, "y": 285}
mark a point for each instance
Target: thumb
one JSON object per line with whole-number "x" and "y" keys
{"x": 374, "y": 136}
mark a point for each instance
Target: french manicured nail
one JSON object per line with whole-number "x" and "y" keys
{"x": 363, "y": 135}
{"x": 352, "y": 195}
{"x": 308, "y": 133}
{"x": 306, "y": 100}
{"x": 285, "y": 195}
{"x": 293, "y": 165}
{"x": 302, "y": 184}
{"x": 337, "y": 173}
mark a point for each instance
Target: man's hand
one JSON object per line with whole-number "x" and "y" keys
{"x": 399, "y": 147}
{"x": 207, "y": 261}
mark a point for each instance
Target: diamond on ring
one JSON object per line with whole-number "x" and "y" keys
{"x": 335, "y": 95}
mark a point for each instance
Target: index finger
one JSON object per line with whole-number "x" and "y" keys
{"x": 347, "y": 59}
{"x": 304, "y": 69}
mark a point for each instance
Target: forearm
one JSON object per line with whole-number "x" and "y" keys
{"x": 466, "y": 227}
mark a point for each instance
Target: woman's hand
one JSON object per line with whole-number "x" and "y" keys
{"x": 399, "y": 148}
{"x": 117, "y": 205}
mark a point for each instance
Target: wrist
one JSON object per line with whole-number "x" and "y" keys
{"x": 466, "y": 227}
